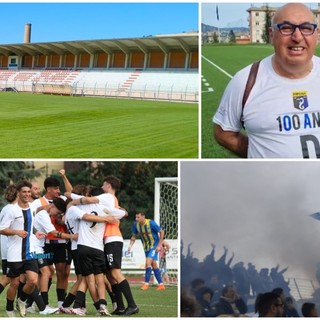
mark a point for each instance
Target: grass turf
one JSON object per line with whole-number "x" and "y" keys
{"x": 46, "y": 126}
{"x": 230, "y": 58}
{"x": 152, "y": 303}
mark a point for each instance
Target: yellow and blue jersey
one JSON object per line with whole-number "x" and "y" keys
{"x": 149, "y": 233}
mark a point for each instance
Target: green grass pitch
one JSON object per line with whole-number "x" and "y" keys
{"x": 48, "y": 126}
{"x": 152, "y": 303}
{"x": 230, "y": 58}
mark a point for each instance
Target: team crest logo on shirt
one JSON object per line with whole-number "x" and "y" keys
{"x": 300, "y": 100}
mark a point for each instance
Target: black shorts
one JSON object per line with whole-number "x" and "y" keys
{"x": 58, "y": 252}
{"x": 75, "y": 258}
{"x": 4, "y": 267}
{"x": 69, "y": 254}
{"x": 113, "y": 254}
{"x": 17, "y": 268}
{"x": 42, "y": 261}
{"x": 91, "y": 260}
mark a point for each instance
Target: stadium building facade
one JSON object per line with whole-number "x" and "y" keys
{"x": 89, "y": 66}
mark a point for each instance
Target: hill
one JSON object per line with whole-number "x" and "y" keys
{"x": 207, "y": 28}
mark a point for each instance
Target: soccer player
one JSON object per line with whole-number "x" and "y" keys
{"x": 152, "y": 236}
{"x": 43, "y": 223}
{"x": 90, "y": 250}
{"x": 17, "y": 224}
{"x": 11, "y": 196}
{"x": 113, "y": 245}
{"x": 55, "y": 245}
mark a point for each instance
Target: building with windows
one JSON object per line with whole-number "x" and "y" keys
{"x": 257, "y": 21}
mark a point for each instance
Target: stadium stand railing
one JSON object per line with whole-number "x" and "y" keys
{"x": 301, "y": 289}
{"x": 173, "y": 85}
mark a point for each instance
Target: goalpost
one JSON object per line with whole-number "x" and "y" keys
{"x": 166, "y": 215}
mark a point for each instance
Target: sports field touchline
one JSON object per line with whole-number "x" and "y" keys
{"x": 216, "y": 66}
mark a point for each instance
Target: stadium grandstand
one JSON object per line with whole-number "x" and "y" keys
{"x": 163, "y": 67}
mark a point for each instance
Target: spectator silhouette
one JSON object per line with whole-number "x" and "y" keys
{"x": 204, "y": 297}
{"x": 230, "y": 302}
{"x": 309, "y": 309}
{"x": 188, "y": 305}
{"x": 269, "y": 304}
{"x": 290, "y": 308}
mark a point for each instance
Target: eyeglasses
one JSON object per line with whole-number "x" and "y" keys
{"x": 287, "y": 28}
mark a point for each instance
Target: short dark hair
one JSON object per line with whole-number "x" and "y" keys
{"x": 278, "y": 291}
{"x": 96, "y": 191}
{"x": 11, "y": 193}
{"x": 60, "y": 204}
{"x": 226, "y": 288}
{"x": 197, "y": 282}
{"x": 205, "y": 290}
{"x": 265, "y": 302}
{"x": 142, "y": 213}
{"x": 22, "y": 184}
{"x": 80, "y": 189}
{"x": 51, "y": 182}
{"x": 114, "y": 181}
{"x": 306, "y": 308}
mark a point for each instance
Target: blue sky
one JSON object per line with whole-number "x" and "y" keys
{"x": 233, "y": 14}
{"x": 87, "y": 21}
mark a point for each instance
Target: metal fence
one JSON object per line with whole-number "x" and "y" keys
{"x": 147, "y": 92}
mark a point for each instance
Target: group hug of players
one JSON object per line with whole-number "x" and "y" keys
{"x": 41, "y": 235}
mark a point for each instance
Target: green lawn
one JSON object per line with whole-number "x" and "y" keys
{"x": 152, "y": 303}
{"x": 46, "y": 126}
{"x": 230, "y": 58}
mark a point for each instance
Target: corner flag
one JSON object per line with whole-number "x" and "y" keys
{"x": 217, "y": 12}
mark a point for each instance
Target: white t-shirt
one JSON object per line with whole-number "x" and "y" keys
{"x": 90, "y": 233}
{"x": 37, "y": 203}
{"x": 4, "y": 238}
{"x": 107, "y": 201}
{"x": 281, "y": 116}
{"x": 42, "y": 222}
{"x": 72, "y": 222}
{"x": 16, "y": 218}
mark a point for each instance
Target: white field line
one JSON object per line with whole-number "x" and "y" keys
{"x": 216, "y": 66}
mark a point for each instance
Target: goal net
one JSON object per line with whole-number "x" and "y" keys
{"x": 166, "y": 215}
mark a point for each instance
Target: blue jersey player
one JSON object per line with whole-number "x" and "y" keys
{"x": 151, "y": 235}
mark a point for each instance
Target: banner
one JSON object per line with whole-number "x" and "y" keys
{"x": 136, "y": 259}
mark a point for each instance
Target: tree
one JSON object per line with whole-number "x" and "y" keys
{"x": 232, "y": 37}
{"x": 215, "y": 38}
{"x": 13, "y": 172}
{"x": 265, "y": 35}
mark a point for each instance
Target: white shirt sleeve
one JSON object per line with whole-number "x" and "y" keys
{"x": 75, "y": 196}
{"x": 7, "y": 216}
{"x": 228, "y": 114}
{"x": 107, "y": 201}
{"x": 75, "y": 212}
{"x": 43, "y": 222}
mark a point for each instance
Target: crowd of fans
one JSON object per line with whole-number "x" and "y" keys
{"x": 216, "y": 286}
